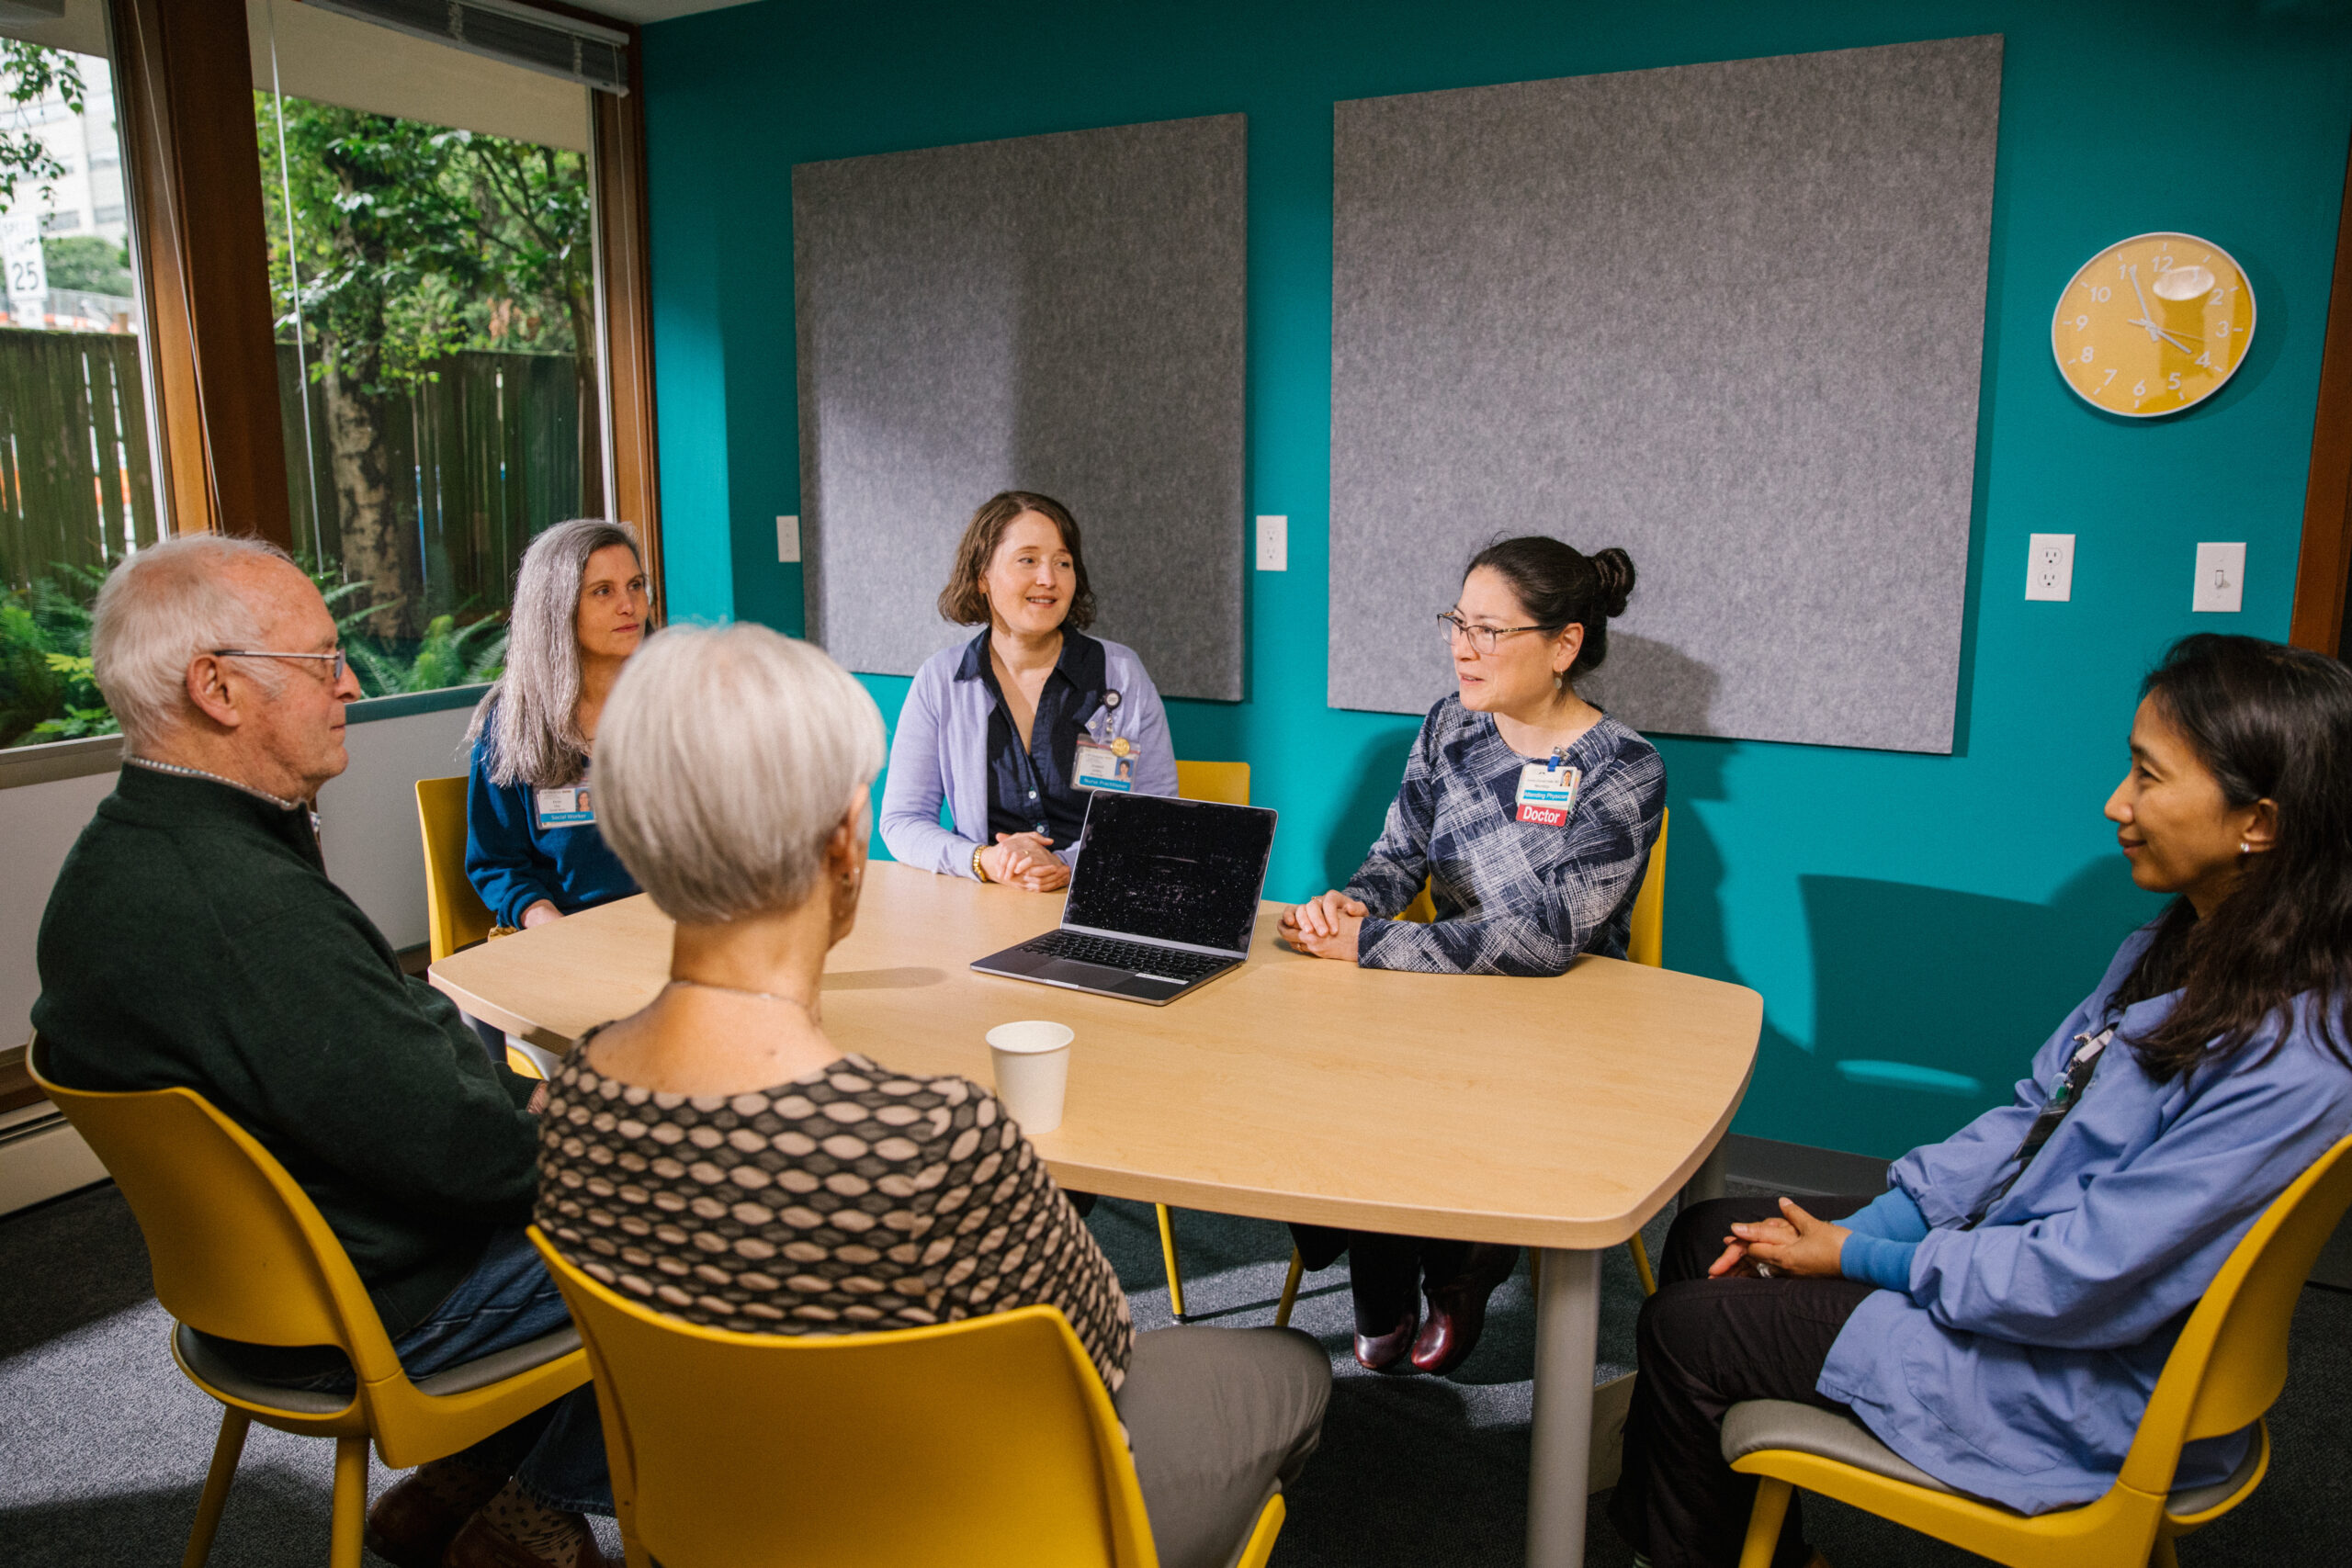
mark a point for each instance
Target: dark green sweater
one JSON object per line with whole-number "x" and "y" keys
{"x": 194, "y": 939}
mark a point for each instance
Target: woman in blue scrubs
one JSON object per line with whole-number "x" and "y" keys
{"x": 2000, "y": 1314}
{"x": 581, "y": 609}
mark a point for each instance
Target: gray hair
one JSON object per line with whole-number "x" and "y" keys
{"x": 530, "y": 713}
{"x": 156, "y": 611}
{"x": 725, "y": 759}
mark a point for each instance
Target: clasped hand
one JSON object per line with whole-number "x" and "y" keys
{"x": 1795, "y": 1243}
{"x": 1328, "y": 926}
{"x": 1024, "y": 859}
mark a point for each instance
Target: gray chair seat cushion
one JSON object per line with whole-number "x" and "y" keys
{"x": 1756, "y": 1425}
{"x": 1760, "y": 1424}
{"x": 209, "y": 1363}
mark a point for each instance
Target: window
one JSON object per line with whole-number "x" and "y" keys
{"x": 77, "y": 486}
{"x": 432, "y": 257}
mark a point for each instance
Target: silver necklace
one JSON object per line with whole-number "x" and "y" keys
{"x": 186, "y": 771}
{"x": 741, "y": 991}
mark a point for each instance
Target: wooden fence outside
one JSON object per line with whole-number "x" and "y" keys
{"x": 483, "y": 458}
{"x": 77, "y": 482}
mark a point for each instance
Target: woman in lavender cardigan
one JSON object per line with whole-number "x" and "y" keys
{"x": 998, "y": 727}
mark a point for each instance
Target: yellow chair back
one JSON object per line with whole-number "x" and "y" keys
{"x": 2229, "y": 1363}
{"x": 1644, "y": 945}
{"x": 240, "y": 1252}
{"x": 985, "y": 1442}
{"x": 455, "y": 913}
{"x": 1225, "y": 783}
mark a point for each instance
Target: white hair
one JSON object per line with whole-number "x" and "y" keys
{"x": 531, "y": 713}
{"x": 725, "y": 758}
{"x": 156, "y": 613}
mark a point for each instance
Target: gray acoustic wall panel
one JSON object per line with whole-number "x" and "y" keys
{"x": 1058, "y": 313}
{"x": 1727, "y": 316}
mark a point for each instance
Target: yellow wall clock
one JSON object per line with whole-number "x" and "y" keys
{"x": 2152, "y": 326}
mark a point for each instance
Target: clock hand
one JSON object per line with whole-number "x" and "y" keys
{"x": 2134, "y": 273}
{"x": 2171, "y": 336}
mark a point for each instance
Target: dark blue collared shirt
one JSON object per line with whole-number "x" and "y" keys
{"x": 1032, "y": 791}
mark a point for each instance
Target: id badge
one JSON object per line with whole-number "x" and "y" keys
{"x": 1546, "y": 795}
{"x": 1105, "y": 764}
{"x": 567, "y": 807}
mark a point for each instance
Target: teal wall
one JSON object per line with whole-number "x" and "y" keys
{"x": 1916, "y": 924}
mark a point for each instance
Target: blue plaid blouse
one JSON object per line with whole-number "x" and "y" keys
{"x": 1512, "y": 897}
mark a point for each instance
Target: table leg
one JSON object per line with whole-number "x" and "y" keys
{"x": 1567, "y": 1332}
{"x": 1706, "y": 1183}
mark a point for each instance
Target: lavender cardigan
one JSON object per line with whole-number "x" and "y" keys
{"x": 940, "y": 752}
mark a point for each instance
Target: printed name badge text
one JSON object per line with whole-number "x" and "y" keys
{"x": 567, "y": 807}
{"x": 1105, "y": 764}
{"x": 1545, "y": 796}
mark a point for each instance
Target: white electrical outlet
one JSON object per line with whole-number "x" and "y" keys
{"x": 787, "y": 539}
{"x": 2220, "y": 578}
{"x": 2050, "y": 566}
{"x": 1273, "y": 544}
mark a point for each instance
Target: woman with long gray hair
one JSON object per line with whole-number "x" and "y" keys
{"x": 581, "y": 609}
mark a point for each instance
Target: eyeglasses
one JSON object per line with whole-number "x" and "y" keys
{"x": 341, "y": 665}
{"x": 1482, "y": 639}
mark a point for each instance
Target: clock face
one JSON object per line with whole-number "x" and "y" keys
{"x": 2152, "y": 326}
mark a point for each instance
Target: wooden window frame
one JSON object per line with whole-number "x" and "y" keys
{"x": 184, "y": 95}
{"x": 2324, "y": 571}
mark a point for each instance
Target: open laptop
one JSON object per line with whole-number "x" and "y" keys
{"x": 1163, "y": 898}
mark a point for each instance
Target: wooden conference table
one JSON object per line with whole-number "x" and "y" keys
{"x": 1557, "y": 1114}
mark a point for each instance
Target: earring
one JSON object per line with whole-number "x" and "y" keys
{"x": 1559, "y": 680}
{"x": 2244, "y": 849}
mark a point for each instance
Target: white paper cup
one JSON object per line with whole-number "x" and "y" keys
{"x": 1031, "y": 1071}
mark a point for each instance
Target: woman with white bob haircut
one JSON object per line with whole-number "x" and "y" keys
{"x": 582, "y": 608}
{"x": 831, "y": 1195}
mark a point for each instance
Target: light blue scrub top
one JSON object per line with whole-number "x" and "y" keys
{"x": 2018, "y": 1362}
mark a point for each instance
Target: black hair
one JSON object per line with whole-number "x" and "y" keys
{"x": 2269, "y": 723}
{"x": 1563, "y": 587}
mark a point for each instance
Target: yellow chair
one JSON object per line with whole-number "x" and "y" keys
{"x": 2226, "y": 1369}
{"x": 240, "y": 1252}
{"x": 1228, "y": 785}
{"x": 987, "y": 1443}
{"x": 1646, "y": 943}
{"x": 455, "y": 915}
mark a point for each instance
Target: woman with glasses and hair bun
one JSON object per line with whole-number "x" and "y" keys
{"x": 580, "y": 608}
{"x": 1531, "y": 814}
{"x": 1015, "y": 729}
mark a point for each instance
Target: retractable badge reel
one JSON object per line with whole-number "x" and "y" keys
{"x": 1547, "y": 791}
{"x": 1104, "y": 761}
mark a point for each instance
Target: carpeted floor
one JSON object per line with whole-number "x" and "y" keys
{"x": 103, "y": 1445}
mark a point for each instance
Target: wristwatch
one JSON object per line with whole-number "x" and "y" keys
{"x": 979, "y": 872}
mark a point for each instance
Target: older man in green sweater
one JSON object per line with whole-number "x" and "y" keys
{"x": 195, "y": 938}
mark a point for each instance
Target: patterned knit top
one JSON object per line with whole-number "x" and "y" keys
{"x": 851, "y": 1199}
{"x": 1512, "y": 897}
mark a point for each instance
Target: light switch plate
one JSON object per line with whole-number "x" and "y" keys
{"x": 2050, "y": 566}
{"x": 787, "y": 539}
{"x": 2220, "y": 578}
{"x": 1273, "y": 544}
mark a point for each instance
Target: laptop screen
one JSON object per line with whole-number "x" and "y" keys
{"x": 1172, "y": 870}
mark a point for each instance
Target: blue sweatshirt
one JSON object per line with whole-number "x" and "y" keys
{"x": 2013, "y": 1361}
{"x": 514, "y": 859}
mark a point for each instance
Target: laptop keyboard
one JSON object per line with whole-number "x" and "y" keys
{"x": 1169, "y": 962}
